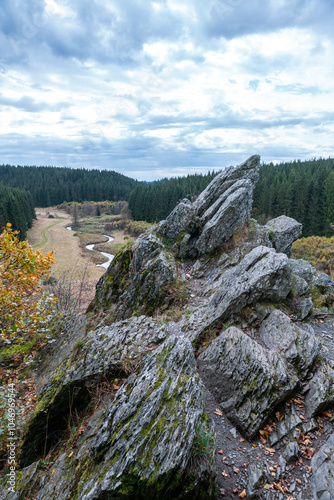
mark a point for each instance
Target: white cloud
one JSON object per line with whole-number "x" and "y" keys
{"x": 162, "y": 87}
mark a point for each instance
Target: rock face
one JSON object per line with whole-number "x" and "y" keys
{"x": 106, "y": 353}
{"x": 321, "y": 392}
{"x": 298, "y": 345}
{"x": 323, "y": 471}
{"x": 246, "y": 379}
{"x": 283, "y": 231}
{"x": 219, "y": 211}
{"x": 261, "y": 275}
{"x": 141, "y": 443}
{"x": 137, "y": 280}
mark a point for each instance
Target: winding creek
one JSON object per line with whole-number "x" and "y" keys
{"x": 91, "y": 246}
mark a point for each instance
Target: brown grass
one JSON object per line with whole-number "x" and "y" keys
{"x": 66, "y": 247}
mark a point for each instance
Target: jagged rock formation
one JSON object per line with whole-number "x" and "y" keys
{"x": 143, "y": 402}
{"x": 219, "y": 211}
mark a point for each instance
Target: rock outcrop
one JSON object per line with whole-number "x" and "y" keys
{"x": 246, "y": 379}
{"x": 283, "y": 231}
{"x": 261, "y": 275}
{"x": 203, "y": 324}
{"x": 220, "y": 210}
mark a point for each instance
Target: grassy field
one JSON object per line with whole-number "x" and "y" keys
{"x": 69, "y": 246}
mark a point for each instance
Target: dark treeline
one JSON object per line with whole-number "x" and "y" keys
{"x": 53, "y": 185}
{"x": 153, "y": 202}
{"x": 303, "y": 190}
{"x": 16, "y": 207}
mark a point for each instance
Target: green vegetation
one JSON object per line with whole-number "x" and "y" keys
{"x": 52, "y": 185}
{"x": 17, "y": 207}
{"x": 302, "y": 190}
{"x": 153, "y": 202}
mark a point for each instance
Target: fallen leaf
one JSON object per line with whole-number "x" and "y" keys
{"x": 218, "y": 412}
{"x": 71, "y": 454}
{"x": 224, "y": 458}
{"x": 222, "y": 491}
{"x": 271, "y": 450}
{"x": 302, "y": 417}
{"x": 236, "y": 470}
{"x": 254, "y": 445}
{"x": 241, "y": 440}
{"x": 221, "y": 452}
{"x": 278, "y": 487}
{"x": 268, "y": 486}
{"x": 327, "y": 413}
{"x": 298, "y": 481}
{"x": 243, "y": 494}
{"x": 235, "y": 491}
{"x": 224, "y": 473}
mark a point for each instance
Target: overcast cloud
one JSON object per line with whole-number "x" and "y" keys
{"x": 166, "y": 87}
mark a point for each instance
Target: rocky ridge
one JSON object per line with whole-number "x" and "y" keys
{"x": 206, "y": 368}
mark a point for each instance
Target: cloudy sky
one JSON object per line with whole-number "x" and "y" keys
{"x": 161, "y": 88}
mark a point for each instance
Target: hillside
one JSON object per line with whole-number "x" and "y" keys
{"x": 53, "y": 185}
{"x": 303, "y": 190}
{"x": 203, "y": 367}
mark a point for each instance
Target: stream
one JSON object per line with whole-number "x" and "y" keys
{"x": 105, "y": 254}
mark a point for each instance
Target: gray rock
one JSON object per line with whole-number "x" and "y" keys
{"x": 292, "y": 452}
{"x": 147, "y": 246}
{"x": 148, "y": 288}
{"x": 283, "y": 231}
{"x": 304, "y": 307}
{"x": 231, "y": 215}
{"x": 299, "y": 286}
{"x": 136, "y": 282}
{"x": 298, "y": 345}
{"x": 256, "y": 474}
{"x": 323, "y": 471}
{"x": 142, "y": 443}
{"x": 324, "y": 283}
{"x": 303, "y": 269}
{"x": 261, "y": 275}
{"x": 246, "y": 379}
{"x": 321, "y": 393}
{"x": 150, "y": 428}
{"x": 223, "y": 181}
{"x": 178, "y": 220}
{"x": 106, "y": 353}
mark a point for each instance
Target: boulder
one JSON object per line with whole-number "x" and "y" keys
{"x": 323, "y": 283}
{"x": 323, "y": 471}
{"x": 148, "y": 289}
{"x": 247, "y": 380}
{"x": 262, "y": 274}
{"x": 226, "y": 216}
{"x": 299, "y": 286}
{"x": 178, "y": 220}
{"x": 136, "y": 282}
{"x": 283, "y": 231}
{"x": 107, "y": 352}
{"x": 297, "y": 344}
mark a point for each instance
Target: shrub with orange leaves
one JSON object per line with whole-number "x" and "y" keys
{"x": 24, "y": 308}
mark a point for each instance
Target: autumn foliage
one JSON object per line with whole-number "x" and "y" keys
{"x": 317, "y": 250}
{"x": 23, "y": 306}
